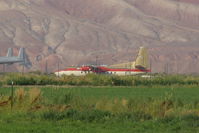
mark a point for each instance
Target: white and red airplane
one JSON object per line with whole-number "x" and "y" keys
{"x": 139, "y": 66}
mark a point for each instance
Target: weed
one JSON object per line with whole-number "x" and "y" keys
{"x": 20, "y": 94}
{"x": 34, "y": 95}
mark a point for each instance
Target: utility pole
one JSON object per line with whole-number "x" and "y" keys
{"x": 150, "y": 68}
{"x": 4, "y": 68}
{"x": 130, "y": 66}
{"x": 46, "y": 67}
{"x": 96, "y": 60}
{"x": 177, "y": 66}
{"x": 22, "y": 69}
{"x": 166, "y": 68}
{"x": 12, "y": 95}
{"x": 58, "y": 68}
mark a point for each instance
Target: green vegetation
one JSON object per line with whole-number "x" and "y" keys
{"x": 98, "y": 80}
{"x": 99, "y": 103}
{"x": 163, "y": 109}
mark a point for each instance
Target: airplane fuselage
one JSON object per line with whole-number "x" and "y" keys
{"x": 81, "y": 71}
{"x": 140, "y": 66}
{"x": 10, "y": 60}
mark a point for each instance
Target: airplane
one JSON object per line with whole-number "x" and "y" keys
{"x": 139, "y": 66}
{"x": 21, "y": 58}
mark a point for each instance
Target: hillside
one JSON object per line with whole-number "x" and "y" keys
{"x": 76, "y": 32}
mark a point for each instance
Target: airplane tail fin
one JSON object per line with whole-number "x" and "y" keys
{"x": 22, "y": 55}
{"x": 10, "y": 52}
{"x": 141, "y": 61}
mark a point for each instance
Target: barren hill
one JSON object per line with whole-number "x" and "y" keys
{"x": 76, "y": 32}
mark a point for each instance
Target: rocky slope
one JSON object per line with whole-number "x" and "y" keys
{"x": 75, "y": 32}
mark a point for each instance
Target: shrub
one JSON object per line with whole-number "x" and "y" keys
{"x": 34, "y": 95}
{"x": 64, "y": 99}
{"x": 86, "y": 116}
{"x": 191, "y": 120}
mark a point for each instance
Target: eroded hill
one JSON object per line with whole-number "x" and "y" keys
{"x": 76, "y": 32}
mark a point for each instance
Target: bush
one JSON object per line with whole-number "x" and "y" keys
{"x": 86, "y": 116}
{"x": 64, "y": 99}
{"x": 191, "y": 120}
{"x": 95, "y": 116}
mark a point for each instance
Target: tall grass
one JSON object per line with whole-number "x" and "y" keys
{"x": 69, "y": 105}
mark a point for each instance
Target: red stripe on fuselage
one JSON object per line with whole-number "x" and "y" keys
{"x": 105, "y": 69}
{"x": 76, "y": 69}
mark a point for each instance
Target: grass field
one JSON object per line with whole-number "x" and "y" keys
{"x": 184, "y": 93}
{"x": 38, "y": 126}
{"x": 140, "y": 109}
